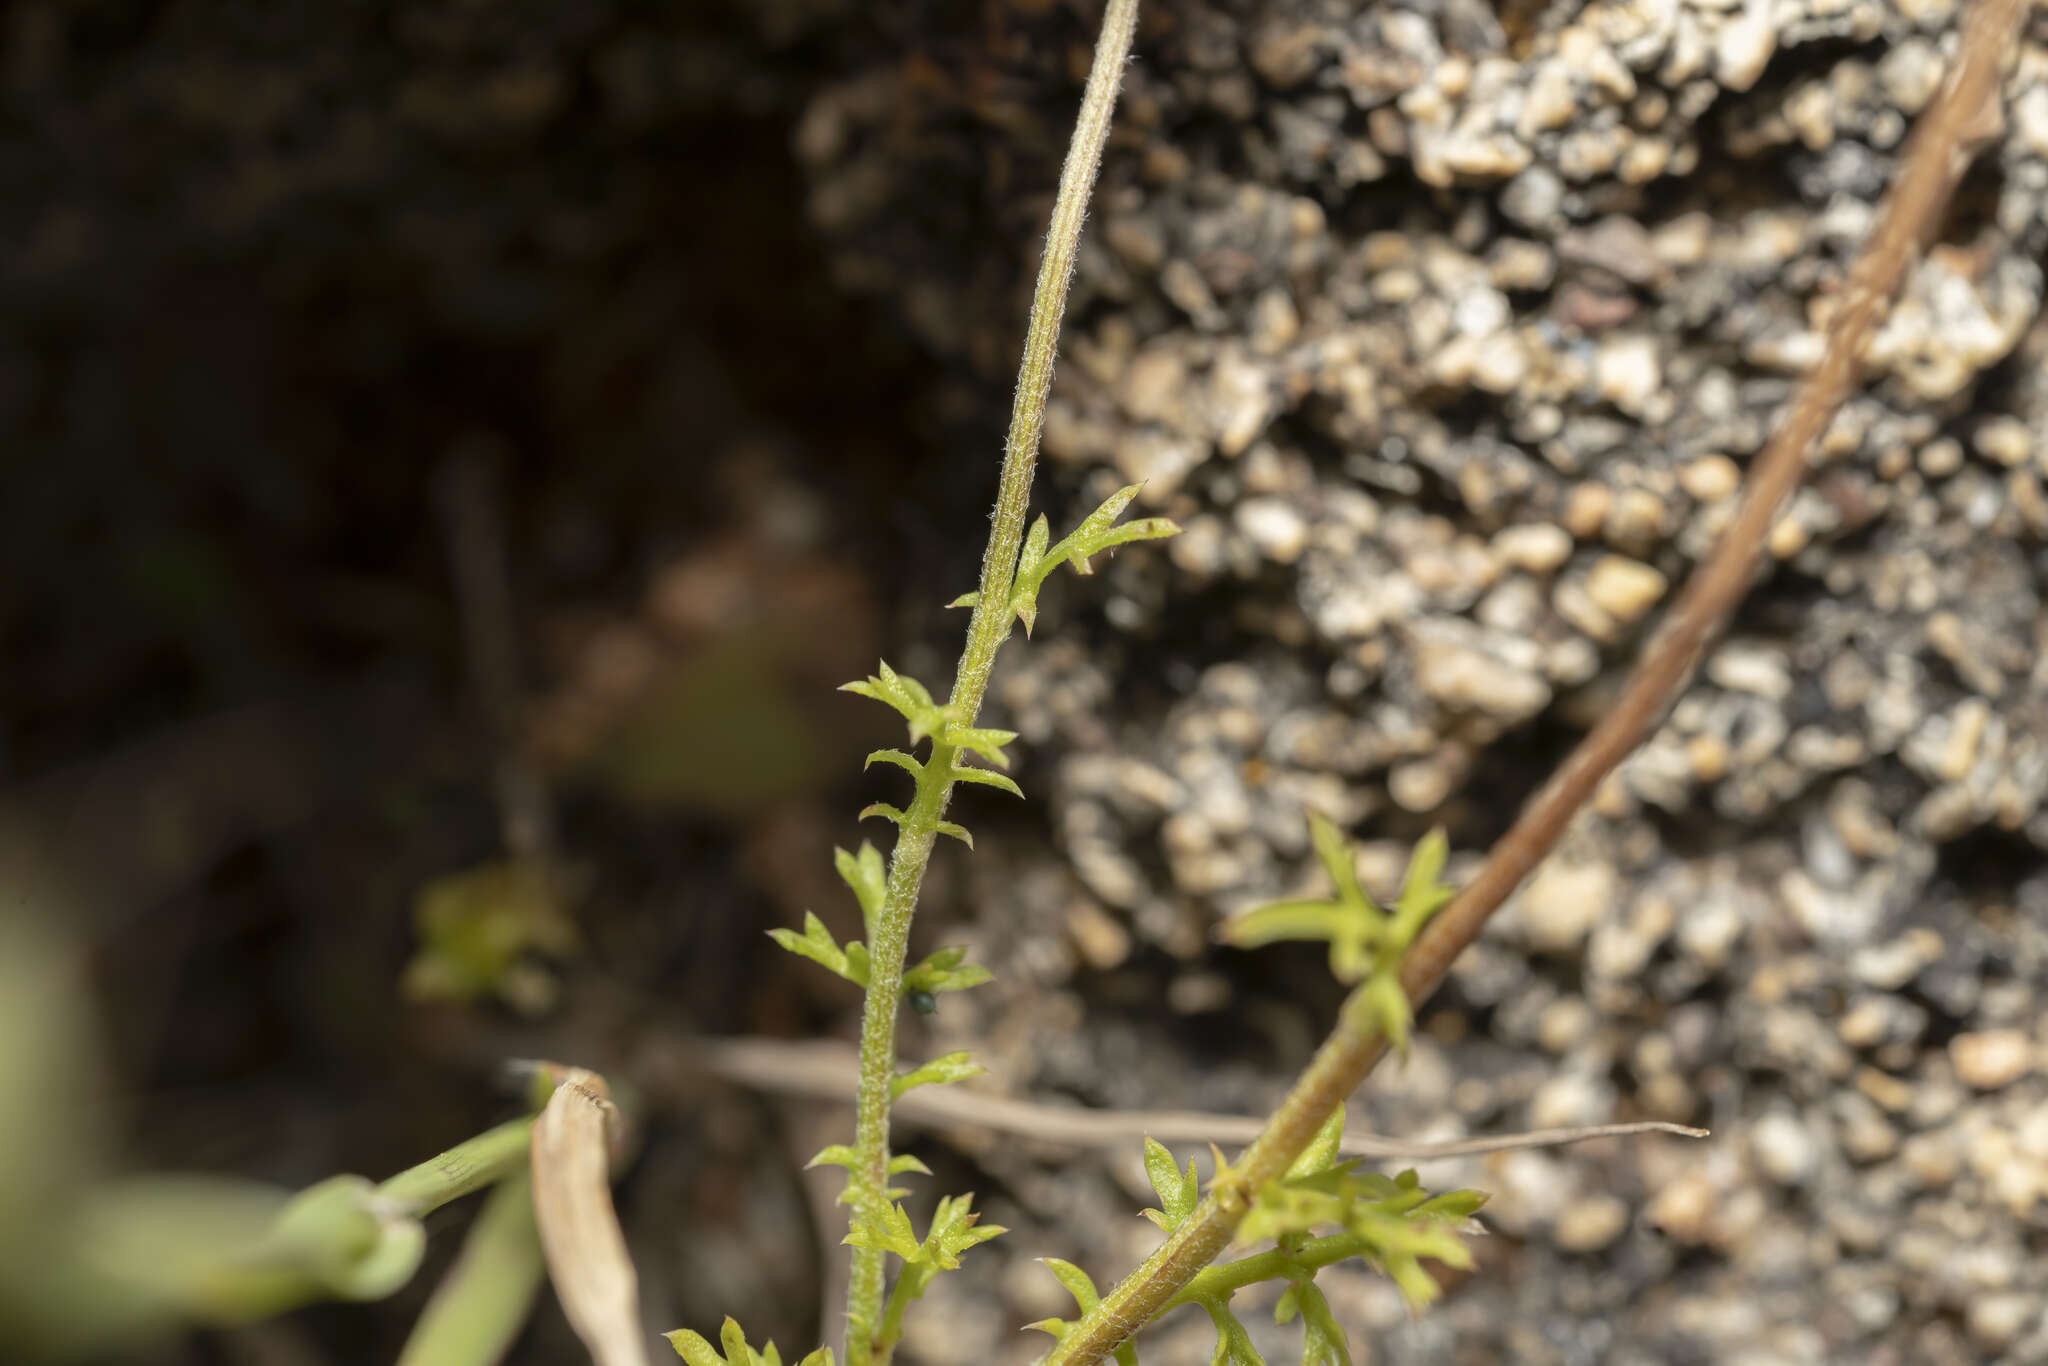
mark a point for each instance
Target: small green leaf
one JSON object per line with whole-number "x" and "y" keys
{"x": 908, "y": 696}
{"x": 1385, "y": 1007}
{"x": 833, "y": 1155}
{"x": 986, "y": 741}
{"x": 904, "y": 1162}
{"x": 1082, "y": 1289}
{"x": 1335, "y": 856}
{"x": 898, "y": 758}
{"x": 1097, "y": 532}
{"x": 1233, "y": 1344}
{"x": 1077, "y": 1282}
{"x": 1322, "y": 1340}
{"x": 966, "y": 600}
{"x": 941, "y": 1071}
{"x": 958, "y": 832}
{"x": 986, "y": 777}
{"x": 1321, "y": 1152}
{"x": 1423, "y": 893}
{"x": 863, "y": 872}
{"x": 1179, "y": 1192}
{"x": 884, "y": 810}
{"x": 943, "y": 971}
{"x": 1283, "y": 920}
{"x": 955, "y": 1228}
{"x": 1034, "y": 550}
{"x": 1453, "y": 1206}
{"x": 816, "y": 943}
{"x": 695, "y": 1351}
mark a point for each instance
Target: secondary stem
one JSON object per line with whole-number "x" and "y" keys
{"x": 866, "y": 1343}
{"x": 468, "y": 1167}
{"x": 1964, "y": 113}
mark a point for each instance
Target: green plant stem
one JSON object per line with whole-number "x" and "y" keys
{"x": 480, "y": 1306}
{"x": 462, "y": 1169}
{"x": 867, "y": 1185}
{"x": 1955, "y": 124}
{"x": 1274, "y": 1264}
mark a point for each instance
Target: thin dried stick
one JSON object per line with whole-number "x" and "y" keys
{"x": 1965, "y": 114}
{"x": 823, "y": 1070}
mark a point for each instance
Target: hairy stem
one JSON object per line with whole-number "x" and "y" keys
{"x": 1962, "y": 116}
{"x": 866, "y": 1342}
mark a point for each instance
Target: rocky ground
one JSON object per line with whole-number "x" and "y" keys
{"x": 1446, "y": 333}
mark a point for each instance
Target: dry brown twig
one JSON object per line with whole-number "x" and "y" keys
{"x": 1963, "y": 116}
{"x": 824, "y": 1070}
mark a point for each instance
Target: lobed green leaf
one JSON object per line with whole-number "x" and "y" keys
{"x": 817, "y": 944}
{"x": 906, "y": 695}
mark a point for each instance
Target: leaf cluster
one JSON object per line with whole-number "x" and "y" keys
{"x": 1390, "y": 1222}
{"x": 1366, "y": 942}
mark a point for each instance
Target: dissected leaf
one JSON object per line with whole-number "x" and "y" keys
{"x": 1096, "y": 533}
{"x": 955, "y": 1228}
{"x": 817, "y": 944}
{"x": 908, "y": 696}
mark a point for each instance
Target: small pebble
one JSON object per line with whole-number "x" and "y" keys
{"x": 1591, "y": 1223}
{"x": 1624, "y": 589}
{"x": 1993, "y": 1058}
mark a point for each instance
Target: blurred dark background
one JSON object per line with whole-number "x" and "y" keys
{"x": 336, "y": 336}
